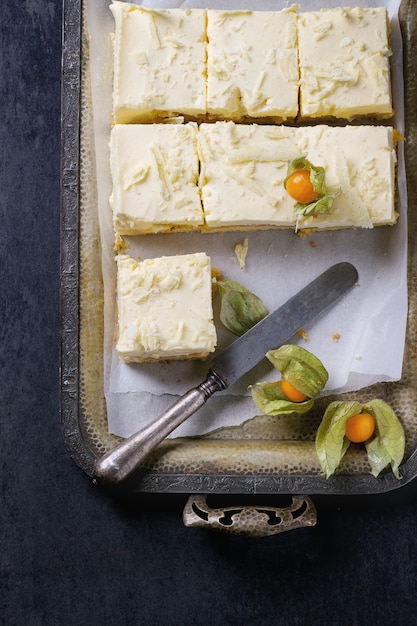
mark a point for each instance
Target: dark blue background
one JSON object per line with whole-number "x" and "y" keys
{"x": 71, "y": 555}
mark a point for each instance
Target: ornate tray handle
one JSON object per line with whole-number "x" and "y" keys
{"x": 252, "y": 521}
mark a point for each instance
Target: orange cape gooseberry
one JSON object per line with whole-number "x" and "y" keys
{"x": 300, "y": 187}
{"x": 291, "y": 392}
{"x": 360, "y": 427}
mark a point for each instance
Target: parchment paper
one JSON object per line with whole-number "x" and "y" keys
{"x": 370, "y": 320}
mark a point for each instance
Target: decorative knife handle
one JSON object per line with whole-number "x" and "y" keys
{"x": 119, "y": 463}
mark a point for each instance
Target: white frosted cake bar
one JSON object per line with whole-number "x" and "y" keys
{"x": 344, "y": 63}
{"x": 159, "y": 63}
{"x": 155, "y": 172}
{"x": 252, "y": 65}
{"x": 165, "y": 308}
{"x": 223, "y": 176}
{"x": 243, "y": 168}
{"x": 360, "y": 161}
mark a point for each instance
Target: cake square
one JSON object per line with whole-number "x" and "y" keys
{"x": 243, "y": 168}
{"x": 165, "y": 308}
{"x": 360, "y": 162}
{"x": 344, "y": 63}
{"x": 159, "y": 63}
{"x": 252, "y": 65}
{"x": 155, "y": 172}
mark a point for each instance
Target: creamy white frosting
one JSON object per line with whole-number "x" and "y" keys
{"x": 252, "y": 64}
{"x": 228, "y": 175}
{"x": 165, "y": 307}
{"x": 159, "y": 63}
{"x": 155, "y": 173}
{"x": 360, "y": 161}
{"x": 242, "y": 174}
{"x": 244, "y": 167}
{"x": 236, "y": 65}
{"x": 344, "y": 63}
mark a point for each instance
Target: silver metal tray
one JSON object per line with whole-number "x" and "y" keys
{"x": 260, "y": 458}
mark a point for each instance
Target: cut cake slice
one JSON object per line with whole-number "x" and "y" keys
{"x": 165, "y": 308}
{"x": 155, "y": 173}
{"x": 360, "y": 162}
{"x": 344, "y": 63}
{"x": 159, "y": 63}
{"x": 243, "y": 168}
{"x": 227, "y": 176}
{"x": 252, "y": 65}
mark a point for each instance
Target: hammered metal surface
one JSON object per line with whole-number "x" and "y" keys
{"x": 251, "y": 521}
{"x": 92, "y": 401}
{"x": 263, "y": 455}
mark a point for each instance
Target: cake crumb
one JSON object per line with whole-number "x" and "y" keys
{"x": 241, "y": 250}
{"x": 303, "y": 334}
{"x": 120, "y": 244}
{"x": 336, "y": 337}
{"x": 215, "y": 276}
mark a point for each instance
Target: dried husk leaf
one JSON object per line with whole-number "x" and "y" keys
{"x": 302, "y": 370}
{"x": 388, "y": 445}
{"x": 324, "y": 202}
{"x": 385, "y": 447}
{"x": 322, "y": 205}
{"x": 240, "y": 309}
{"x": 300, "y": 367}
{"x": 317, "y": 173}
{"x": 331, "y": 443}
{"x": 270, "y": 399}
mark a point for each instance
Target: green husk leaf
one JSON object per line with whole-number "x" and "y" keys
{"x": 240, "y": 309}
{"x": 388, "y": 445}
{"x": 270, "y": 399}
{"x": 378, "y": 456}
{"x": 325, "y": 200}
{"x": 331, "y": 443}
{"x": 317, "y": 173}
{"x": 300, "y": 367}
{"x": 322, "y": 205}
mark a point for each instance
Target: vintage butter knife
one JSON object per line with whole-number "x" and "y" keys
{"x": 239, "y": 358}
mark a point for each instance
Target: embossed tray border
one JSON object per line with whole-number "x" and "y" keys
{"x": 73, "y": 427}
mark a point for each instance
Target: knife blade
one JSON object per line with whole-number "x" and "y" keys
{"x": 230, "y": 365}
